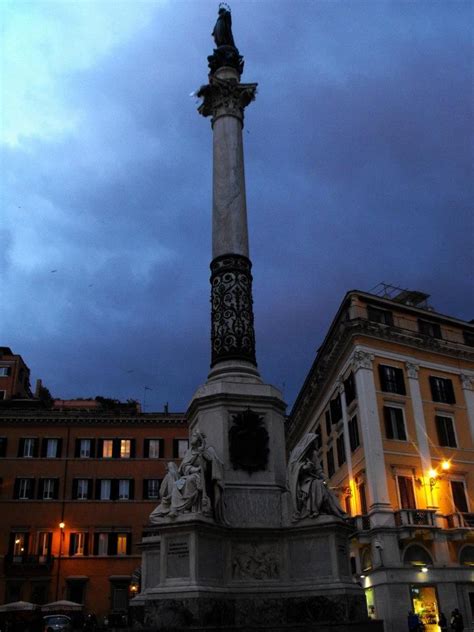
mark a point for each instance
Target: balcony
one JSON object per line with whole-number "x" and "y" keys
{"x": 460, "y": 521}
{"x": 25, "y": 565}
{"x": 415, "y": 518}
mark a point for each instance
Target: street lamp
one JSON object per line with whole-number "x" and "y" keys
{"x": 62, "y": 526}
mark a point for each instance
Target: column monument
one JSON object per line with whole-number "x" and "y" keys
{"x": 238, "y": 540}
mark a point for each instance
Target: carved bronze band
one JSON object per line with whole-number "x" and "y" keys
{"x": 232, "y": 334}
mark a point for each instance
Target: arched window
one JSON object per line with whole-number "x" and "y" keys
{"x": 466, "y": 556}
{"x": 417, "y": 556}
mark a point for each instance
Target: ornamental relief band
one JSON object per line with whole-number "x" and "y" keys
{"x": 232, "y": 330}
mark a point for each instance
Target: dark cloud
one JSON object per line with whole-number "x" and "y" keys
{"x": 358, "y": 152}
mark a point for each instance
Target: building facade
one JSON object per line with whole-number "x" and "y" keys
{"x": 77, "y": 487}
{"x": 14, "y": 376}
{"x": 390, "y": 397}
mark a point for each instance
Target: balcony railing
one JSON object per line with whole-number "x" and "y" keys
{"x": 27, "y": 564}
{"x": 415, "y": 518}
{"x": 460, "y": 521}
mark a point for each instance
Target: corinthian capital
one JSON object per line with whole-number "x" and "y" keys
{"x": 362, "y": 360}
{"x": 412, "y": 370}
{"x": 467, "y": 382}
{"x": 225, "y": 97}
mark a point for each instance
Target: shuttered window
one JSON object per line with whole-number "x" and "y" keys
{"x": 407, "y": 495}
{"x": 445, "y": 430}
{"x": 391, "y": 379}
{"x": 442, "y": 390}
{"x": 394, "y": 423}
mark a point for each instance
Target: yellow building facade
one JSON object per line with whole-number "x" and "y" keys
{"x": 390, "y": 397}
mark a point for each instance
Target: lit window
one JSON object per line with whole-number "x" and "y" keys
{"x": 77, "y": 543}
{"x": 122, "y": 539}
{"x": 85, "y": 448}
{"x": 394, "y": 423}
{"x": 102, "y": 543}
{"x": 105, "y": 489}
{"x": 154, "y": 449}
{"x": 125, "y": 447}
{"x": 44, "y": 545}
{"x": 48, "y": 488}
{"x": 108, "y": 448}
{"x": 29, "y": 447}
{"x": 52, "y": 448}
{"x": 82, "y": 489}
{"x": 124, "y": 489}
{"x": 19, "y": 543}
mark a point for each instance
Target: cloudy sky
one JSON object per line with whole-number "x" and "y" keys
{"x": 358, "y": 165}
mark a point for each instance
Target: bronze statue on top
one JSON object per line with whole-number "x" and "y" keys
{"x": 226, "y": 52}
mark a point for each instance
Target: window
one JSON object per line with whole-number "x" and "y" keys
{"x": 101, "y": 544}
{"x": 353, "y": 427}
{"x": 445, "y": 430}
{"x": 330, "y": 459}
{"x": 407, "y": 495}
{"x": 76, "y": 590}
{"x": 154, "y": 448}
{"x": 44, "y": 545}
{"x": 362, "y": 499}
{"x": 28, "y": 447}
{"x": 3, "y": 446}
{"x": 125, "y": 448}
{"x": 350, "y": 389}
{"x": 84, "y": 448}
{"x": 469, "y": 338}
{"x": 50, "y": 448}
{"x": 3, "y": 394}
{"x": 180, "y": 447}
{"x": 378, "y": 315}
{"x": 5, "y": 371}
{"x": 81, "y": 488}
{"x": 48, "y": 488}
{"x": 107, "y": 449}
{"x": 327, "y": 418}
{"x": 122, "y": 543}
{"x": 24, "y": 488}
{"x": 105, "y": 491}
{"x": 124, "y": 489}
{"x": 151, "y": 488}
{"x": 391, "y": 379}
{"x": 394, "y": 423}
{"x": 429, "y": 329}
{"x": 458, "y": 491}
{"x": 319, "y": 438}
{"x": 19, "y": 546}
{"x": 341, "y": 450}
{"x": 78, "y": 543}
{"x": 442, "y": 390}
{"x": 336, "y": 409}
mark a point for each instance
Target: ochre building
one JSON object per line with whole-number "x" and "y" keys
{"x": 77, "y": 486}
{"x": 390, "y": 397}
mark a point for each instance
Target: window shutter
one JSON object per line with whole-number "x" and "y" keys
{"x": 132, "y": 448}
{"x": 383, "y": 377}
{"x": 21, "y": 447}
{"x": 114, "y": 489}
{"x": 40, "y": 488}
{"x": 95, "y": 549}
{"x": 27, "y": 544}
{"x": 35, "y": 447}
{"x": 97, "y": 488}
{"x": 449, "y": 424}
{"x": 112, "y": 544}
{"x": 74, "y": 488}
{"x": 93, "y": 453}
{"x": 145, "y": 489}
{"x": 129, "y": 543}
{"x": 131, "y": 489}
{"x": 56, "y": 488}
{"x": 162, "y": 448}
{"x": 72, "y": 543}
{"x": 77, "y": 448}
{"x": 90, "y": 485}
{"x": 328, "y": 422}
{"x": 400, "y": 382}
{"x": 441, "y": 430}
{"x": 116, "y": 449}
{"x": 450, "y": 392}
{"x": 16, "y": 488}
{"x": 388, "y": 422}
{"x": 175, "y": 449}
{"x": 459, "y": 496}
{"x": 3, "y": 446}
{"x": 86, "y": 544}
{"x": 50, "y": 543}
{"x": 59, "y": 448}
{"x": 100, "y": 448}
{"x": 32, "y": 488}
{"x": 146, "y": 448}
{"x": 44, "y": 448}
{"x": 401, "y": 434}
{"x": 434, "y": 388}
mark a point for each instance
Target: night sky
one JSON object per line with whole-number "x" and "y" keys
{"x": 358, "y": 157}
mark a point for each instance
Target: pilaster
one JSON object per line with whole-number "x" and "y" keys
{"x": 345, "y": 426}
{"x": 467, "y": 384}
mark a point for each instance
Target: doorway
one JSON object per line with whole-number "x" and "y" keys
{"x": 425, "y": 605}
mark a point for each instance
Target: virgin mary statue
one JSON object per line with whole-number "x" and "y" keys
{"x": 309, "y": 493}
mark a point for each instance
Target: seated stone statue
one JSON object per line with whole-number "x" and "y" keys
{"x": 196, "y": 486}
{"x": 309, "y": 494}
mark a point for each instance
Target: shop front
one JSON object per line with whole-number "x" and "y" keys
{"x": 424, "y": 601}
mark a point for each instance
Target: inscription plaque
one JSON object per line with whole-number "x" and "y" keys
{"x": 152, "y": 574}
{"x": 178, "y": 557}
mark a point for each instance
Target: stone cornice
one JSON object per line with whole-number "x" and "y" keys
{"x": 20, "y": 420}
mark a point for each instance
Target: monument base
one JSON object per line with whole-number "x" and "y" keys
{"x": 201, "y": 576}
